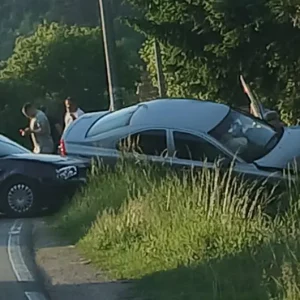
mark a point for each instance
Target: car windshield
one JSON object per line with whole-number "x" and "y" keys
{"x": 248, "y": 137}
{"x": 11, "y": 148}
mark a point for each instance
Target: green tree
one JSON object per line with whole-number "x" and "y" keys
{"x": 20, "y": 18}
{"x": 67, "y": 60}
{"x": 206, "y": 44}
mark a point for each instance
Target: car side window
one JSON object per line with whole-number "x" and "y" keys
{"x": 149, "y": 142}
{"x": 191, "y": 147}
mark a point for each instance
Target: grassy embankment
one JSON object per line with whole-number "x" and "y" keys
{"x": 186, "y": 239}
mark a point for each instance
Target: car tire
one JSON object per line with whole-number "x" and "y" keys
{"x": 19, "y": 198}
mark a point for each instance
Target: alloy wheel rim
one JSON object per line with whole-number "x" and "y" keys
{"x": 20, "y": 198}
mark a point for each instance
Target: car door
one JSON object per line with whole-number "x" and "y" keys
{"x": 148, "y": 144}
{"x": 191, "y": 150}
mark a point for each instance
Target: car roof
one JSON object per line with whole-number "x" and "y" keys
{"x": 180, "y": 113}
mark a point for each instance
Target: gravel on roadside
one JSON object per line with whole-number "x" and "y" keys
{"x": 68, "y": 276}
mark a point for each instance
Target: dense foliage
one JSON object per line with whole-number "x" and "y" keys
{"x": 57, "y": 61}
{"x": 67, "y": 60}
{"x": 53, "y": 48}
{"x": 205, "y": 46}
{"x": 19, "y": 18}
{"x": 212, "y": 42}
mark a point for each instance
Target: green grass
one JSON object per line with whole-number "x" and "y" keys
{"x": 197, "y": 237}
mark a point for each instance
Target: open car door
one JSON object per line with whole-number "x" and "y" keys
{"x": 257, "y": 108}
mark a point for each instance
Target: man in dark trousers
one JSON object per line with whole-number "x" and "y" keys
{"x": 55, "y": 126}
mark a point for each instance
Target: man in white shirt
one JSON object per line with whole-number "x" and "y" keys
{"x": 39, "y": 129}
{"x": 73, "y": 112}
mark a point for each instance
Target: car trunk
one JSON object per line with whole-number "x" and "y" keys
{"x": 78, "y": 129}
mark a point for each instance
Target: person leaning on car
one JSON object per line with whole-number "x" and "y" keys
{"x": 39, "y": 129}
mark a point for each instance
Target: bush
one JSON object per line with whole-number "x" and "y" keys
{"x": 196, "y": 237}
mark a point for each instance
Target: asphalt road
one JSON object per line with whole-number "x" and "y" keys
{"x": 19, "y": 278}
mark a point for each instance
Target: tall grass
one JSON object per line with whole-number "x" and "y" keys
{"x": 196, "y": 236}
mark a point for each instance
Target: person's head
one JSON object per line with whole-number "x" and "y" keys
{"x": 71, "y": 105}
{"x": 29, "y": 110}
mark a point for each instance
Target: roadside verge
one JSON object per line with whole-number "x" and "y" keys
{"x": 202, "y": 235}
{"x": 66, "y": 274}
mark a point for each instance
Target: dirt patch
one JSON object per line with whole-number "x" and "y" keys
{"x": 67, "y": 275}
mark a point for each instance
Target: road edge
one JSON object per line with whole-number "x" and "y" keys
{"x": 22, "y": 260}
{"x": 59, "y": 275}
{"x": 46, "y": 280}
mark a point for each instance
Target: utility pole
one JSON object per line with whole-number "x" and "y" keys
{"x": 159, "y": 71}
{"x": 107, "y": 22}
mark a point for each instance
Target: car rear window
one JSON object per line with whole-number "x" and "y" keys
{"x": 112, "y": 121}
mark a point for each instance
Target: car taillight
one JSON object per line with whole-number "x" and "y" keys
{"x": 62, "y": 148}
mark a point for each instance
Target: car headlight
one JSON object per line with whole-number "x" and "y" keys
{"x": 66, "y": 172}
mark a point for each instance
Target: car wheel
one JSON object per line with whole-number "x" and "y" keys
{"x": 19, "y": 198}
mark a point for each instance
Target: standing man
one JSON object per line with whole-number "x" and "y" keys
{"x": 39, "y": 129}
{"x": 73, "y": 112}
{"x": 55, "y": 127}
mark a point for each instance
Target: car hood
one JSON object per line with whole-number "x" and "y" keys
{"x": 286, "y": 152}
{"x": 48, "y": 158}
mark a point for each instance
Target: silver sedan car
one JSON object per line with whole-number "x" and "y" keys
{"x": 184, "y": 133}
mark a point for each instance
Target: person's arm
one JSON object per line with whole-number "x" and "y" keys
{"x": 39, "y": 130}
{"x": 28, "y": 131}
{"x": 41, "y": 125}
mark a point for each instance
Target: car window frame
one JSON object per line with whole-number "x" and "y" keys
{"x": 254, "y": 118}
{"x": 207, "y": 138}
{"x": 263, "y": 121}
{"x": 143, "y": 129}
